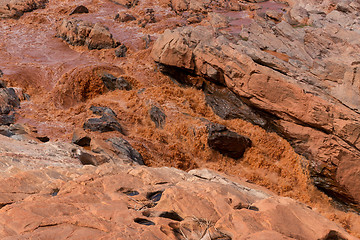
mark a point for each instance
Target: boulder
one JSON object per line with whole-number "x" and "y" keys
{"x": 228, "y": 105}
{"x": 79, "y": 9}
{"x": 81, "y": 33}
{"x": 227, "y": 142}
{"x": 157, "y": 116}
{"x": 112, "y": 83}
{"x": 16, "y": 8}
{"x": 9, "y": 101}
{"x": 124, "y": 17}
{"x": 105, "y": 123}
{"x": 103, "y": 111}
{"x": 121, "y": 51}
{"x": 81, "y": 138}
{"x": 123, "y": 149}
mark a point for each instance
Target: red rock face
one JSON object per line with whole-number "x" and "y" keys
{"x": 263, "y": 67}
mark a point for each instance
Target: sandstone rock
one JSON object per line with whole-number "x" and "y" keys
{"x": 228, "y": 105}
{"x": 124, "y": 150}
{"x": 103, "y": 111}
{"x": 124, "y": 17}
{"x": 127, "y": 3}
{"x": 8, "y": 102}
{"x": 79, "y": 9}
{"x": 269, "y": 65}
{"x": 16, "y": 8}
{"x": 152, "y": 203}
{"x": 148, "y": 18}
{"x": 227, "y": 142}
{"x": 157, "y": 116}
{"x": 81, "y": 138}
{"x": 112, "y": 83}
{"x": 104, "y": 124}
{"x": 121, "y": 51}
{"x": 78, "y": 33}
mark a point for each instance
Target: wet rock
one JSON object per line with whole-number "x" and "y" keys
{"x": 104, "y": 124}
{"x": 81, "y": 138}
{"x": 16, "y": 8}
{"x": 124, "y": 150}
{"x": 103, "y": 111}
{"x": 80, "y": 33}
{"x": 157, "y": 116}
{"x": 227, "y": 142}
{"x": 148, "y": 18}
{"x": 112, "y": 83}
{"x": 124, "y": 17}
{"x": 127, "y": 3}
{"x": 276, "y": 68}
{"x": 121, "y": 51}
{"x": 3, "y": 84}
{"x": 21, "y": 94}
{"x": 9, "y": 101}
{"x": 79, "y": 9}
{"x": 228, "y": 105}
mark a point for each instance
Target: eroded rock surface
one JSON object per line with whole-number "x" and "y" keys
{"x": 305, "y": 77}
{"x": 120, "y": 202}
{"x": 80, "y": 33}
{"x": 16, "y": 8}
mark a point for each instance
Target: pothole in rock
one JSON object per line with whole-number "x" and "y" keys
{"x": 55, "y": 192}
{"x": 168, "y": 214}
{"x": 154, "y": 196}
{"x": 249, "y": 207}
{"x": 129, "y": 192}
{"x": 144, "y": 221}
{"x": 171, "y": 215}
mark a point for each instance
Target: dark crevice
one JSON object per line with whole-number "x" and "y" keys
{"x": 154, "y": 196}
{"x": 144, "y": 221}
{"x": 5, "y": 204}
{"x": 269, "y": 65}
{"x": 171, "y": 215}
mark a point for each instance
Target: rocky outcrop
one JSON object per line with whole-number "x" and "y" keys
{"x": 9, "y": 101}
{"x": 157, "y": 116}
{"x": 125, "y": 150}
{"x": 123, "y": 202}
{"x": 80, "y": 33}
{"x": 305, "y": 78}
{"x": 227, "y": 142}
{"x": 16, "y": 8}
{"x": 105, "y": 123}
{"x": 112, "y": 83}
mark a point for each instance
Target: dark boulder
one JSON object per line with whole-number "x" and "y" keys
{"x": 104, "y": 124}
{"x": 80, "y": 9}
{"x": 124, "y": 149}
{"x": 227, "y": 105}
{"x": 227, "y": 142}
{"x": 157, "y": 116}
{"x": 112, "y": 83}
{"x": 121, "y": 51}
{"x": 8, "y": 102}
{"x": 103, "y": 111}
{"x": 124, "y": 17}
